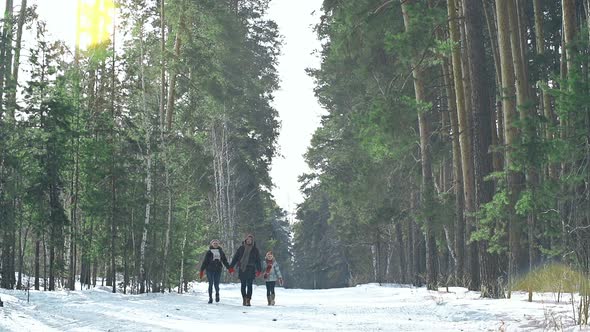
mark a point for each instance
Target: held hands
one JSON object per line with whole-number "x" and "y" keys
{"x": 257, "y": 274}
{"x": 231, "y": 270}
{"x": 266, "y": 276}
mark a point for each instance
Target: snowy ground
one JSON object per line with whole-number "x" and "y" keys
{"x": 362, "y": 308}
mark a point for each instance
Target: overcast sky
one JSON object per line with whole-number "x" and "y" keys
{"x": 298, "y": 109}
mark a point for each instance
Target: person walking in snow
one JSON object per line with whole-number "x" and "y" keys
{"x": 272, "y": 274}
{"x": 247, "y": 258}
{"x": 212, "y": 264}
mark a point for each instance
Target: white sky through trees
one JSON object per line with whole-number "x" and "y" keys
{"x": 298, "y": 108}
{"x": 295, "y": 102}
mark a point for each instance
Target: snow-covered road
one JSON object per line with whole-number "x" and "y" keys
{"x": 362, "y": 308}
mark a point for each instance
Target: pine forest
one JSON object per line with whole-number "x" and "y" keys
{"x": 454, "y": 149}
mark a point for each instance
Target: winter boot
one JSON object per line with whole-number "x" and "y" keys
{"x": 248, "y": 302}
{"x": 216, "y": 297}
{"x": 210, "y": 300}
{"x": 272, "y": 299}
{"x": 244, "y": 301}
{"x": 269, "y": 298}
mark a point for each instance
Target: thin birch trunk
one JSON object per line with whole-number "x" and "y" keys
{"x": 148, "y": 178}
{"x": 112, "y": 167}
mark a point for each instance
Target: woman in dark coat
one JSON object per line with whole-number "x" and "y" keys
{"x": 247, "y": 257}
{"x": 212, "y": 263}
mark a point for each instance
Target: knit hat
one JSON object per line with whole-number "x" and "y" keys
{"x": 249, "y": 235}
{"x": 213, "y": 241}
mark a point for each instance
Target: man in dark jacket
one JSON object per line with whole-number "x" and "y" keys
{"x": 212, "y": 263}
{"x": 247, "y": 257}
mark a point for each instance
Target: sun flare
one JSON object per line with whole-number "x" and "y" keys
{"x": 95, "y": 20}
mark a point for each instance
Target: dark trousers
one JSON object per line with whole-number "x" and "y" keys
{"x": 213, "y": 278}
{"x": 270, "y": 288}
{"x": 247, "y": 287}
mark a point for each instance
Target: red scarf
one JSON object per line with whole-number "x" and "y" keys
{"x": 268, "y": 266}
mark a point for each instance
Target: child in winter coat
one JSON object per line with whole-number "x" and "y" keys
{"x": 247, "y": 257}
{"x": 272, "y": 273}
{"x": 212, "y": 263}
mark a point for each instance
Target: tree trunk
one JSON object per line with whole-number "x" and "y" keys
{"x": 167, "y": 235}
{"x": 52, "y": 239}
{"x": 12, "y": 83}
{"x": 7, "y": 223}
{"x": 128, "y": 240}
{"x": 75, "y": 187}
{"x": 162, "y": 65}
{"x": 490, "y": 18}
{"x": 172, "y": 87}
{"x": 125, "y": 262}
{"x": 403, "y": 267}
{"x": 6, "y": 51}
{"x": 37, "y": 259}
{"x": 19, "y": 283}
{"x": 569, "y": 29}
{"x": 55, "y": 222}
{"x": 542, "y": 83}
{"x": 170, "y": 111}
{"x": 22, "y": 246}
{"x": 465, "y": 143}
{"x": 186, "y": 223}
{"x": 164, "y": 127}
{"x": 457, "y": 178}
{"x": 113, "y": 266}
{"x": 413, "y": 250}
{"x": 94, "y": 272}
{"x": 112, "y": 166}
{"x": 148, "y": 177}
{"x": 482, "y": 111}
{"x": 224, "y": 198}
{"x": 527, "y": 113}
{"x": 510, "y": 136}
{"x": 427, "y": 191}
{"x": 44, "y": 262}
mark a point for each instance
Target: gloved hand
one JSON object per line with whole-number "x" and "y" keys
{"x": 257, "y": 274}
{"x": 201, "y": 274}
{"x": 266, "y": 276}
{"x": 231, "y": 270}
{"x": 280, "y": 281}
